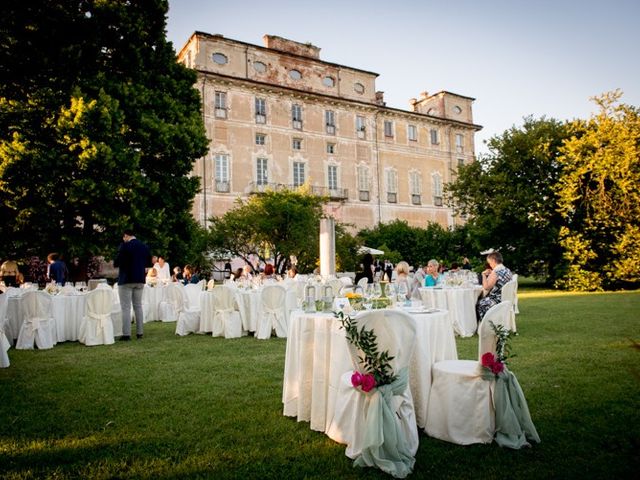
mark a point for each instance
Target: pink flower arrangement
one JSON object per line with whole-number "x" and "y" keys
{"x": 490, "y": 362}
{"x": 366, "y": 382}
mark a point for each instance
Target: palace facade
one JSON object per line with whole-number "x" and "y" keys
{"x": 278, "y": 116}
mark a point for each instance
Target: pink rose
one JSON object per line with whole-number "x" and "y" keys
{"x": 368, "y": 382}
{"x": 488, "y": 360}
{"x": 356, "y": 379}
{"x": 497, "y": 367}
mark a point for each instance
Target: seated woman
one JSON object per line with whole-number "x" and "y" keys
{"x": 269, "y": 273}
{"x": 402, "y": 278}
{"x": 190, "y": 275}
{"x": 152, "y": 277}
{"x": 493, "y": 279}
{"x": 177, "y": 274}
{"x": 10, "y": 273}
{"x": 292, "y": 272}
{"x": 433, "y": 277}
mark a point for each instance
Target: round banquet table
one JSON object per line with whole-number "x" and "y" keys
{"x": 460, "y": 302}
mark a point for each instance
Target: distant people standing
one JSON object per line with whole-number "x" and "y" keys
{"x": 132, "y": 260}
{"x": 57, "y": 270}
{"x": 388, "y": 269}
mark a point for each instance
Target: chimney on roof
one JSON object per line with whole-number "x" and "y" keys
{"x": 274, "y": 42}
{"x": 380, "y": 99}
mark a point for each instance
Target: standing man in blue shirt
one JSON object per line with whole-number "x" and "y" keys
{"x": 132, "y": 260}
{"x": 57, "y": 269}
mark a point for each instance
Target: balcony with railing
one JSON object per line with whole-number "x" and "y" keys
{"x": 332, "y": 193}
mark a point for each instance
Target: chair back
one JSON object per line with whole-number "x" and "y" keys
{"x": 192, "y": 290}
{"x": 100, "y": 301}
{"x": 3, "y": 311}
{"x": 211, "y": 284}
{"x": 13, "y": 292}
{"x": 336, "y": 285}
{"x": 395, "y": 331}
{"x": 175, "y": 296}
{"x": 202, "y": 284}
{"x": 346, "y": 281}
{"x": 224, "y": 298}
{"x": 36, "y": 304}
{"x": 508, "y": 292}
{"x": 498, "y": 315}
{"x": 363, "y": 282}
{"x": 273, "y": 297}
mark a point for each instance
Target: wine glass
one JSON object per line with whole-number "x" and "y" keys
{"x": 369, "y": 293}
{"x": 401, "y": 292}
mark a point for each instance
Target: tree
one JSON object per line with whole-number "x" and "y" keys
{"x": 599, "y": 198}
{"x": 510, "y": 198}
{"x": 99, "y": 128}
{"x": 272, "y": 226}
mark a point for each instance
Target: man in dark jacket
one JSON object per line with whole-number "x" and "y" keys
{"x": 133, "y": 258}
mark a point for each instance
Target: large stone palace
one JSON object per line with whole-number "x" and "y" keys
{"x": 278, "y": 116}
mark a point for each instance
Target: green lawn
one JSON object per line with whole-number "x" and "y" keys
{"x": 202, "y": 407}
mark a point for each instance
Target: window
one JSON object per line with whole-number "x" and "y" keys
{"x": 461, "y": 162}
{"x": 412, "y": 133}
{"x": 415, "y": 186}
{"x": 392, "y": 186}
{"x": 436, "y": 178}
{"x": 363, "y": 183}
{"x": 332, "y": 177}
{"x": 298, "y": 174}
{"x": 296, "y": 144}
{"x": 330, "y": 120}
{"x": 434, "y": 136}
{"x": 457, "y": 110}
{"x": 261, "y": 110}
{"x": 219, "y": 58}
{"x": 259, "y": 67}
{"x": 220, "y": 105}
{"x": 222, "y": 173}
{"x": 358, "y": 88}
{"x": 328, "y": 81}
{"x": 360, "y": 126}
{"x": 459, "y": 143}
{"x": 260, "y": 139}
{"x": 261, "y": 171}
{"x": 296, "y": 116}
{"x": 295, "y": 75}
{"x": 388, "y": 128}
{"x": 331, "y": 148}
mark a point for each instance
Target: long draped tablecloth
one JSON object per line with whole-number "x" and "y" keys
{"x": 459, "y": 302}
{"x": 317, "y": 355}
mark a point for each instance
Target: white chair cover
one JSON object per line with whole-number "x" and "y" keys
{"x": 187, "y": 316}
{"x": 363, "y": 282}
{"x": 5, "y": 345}
{"x": 226, "y": 318}
{"x": 97, "y": 327}
{"x": 274, "y": 312}
{"x": 508, "y": 293}
{"x": 336, "y": 285}
{"x": 461, "y": 408}
{"x": 352, "y": 421}
{"x": 172, "y": 303}
{"x": 39, "y": 325}
{"x": 211, "y": 284}
{"x": 116, "y": 312}
{"x": 193, "y": 290}
{"x": 515, "y": 295}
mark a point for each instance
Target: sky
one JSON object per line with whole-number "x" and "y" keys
{"x": 517, "y": 58}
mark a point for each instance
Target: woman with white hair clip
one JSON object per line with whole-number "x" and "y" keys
{"x": 493, "y": 279}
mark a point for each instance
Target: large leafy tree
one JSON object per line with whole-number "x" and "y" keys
{"x": 99, "y": 127}
{"x": 599, "y": 198}
{"x": 272, "y": 226}
{"x": 509, "y": 196}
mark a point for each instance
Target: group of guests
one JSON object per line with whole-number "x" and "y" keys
{"x": 267, "y": 273}
{"x": 56, "y": 271}
{"x": 161, "y": 272}
{"x": 492, "y": 278}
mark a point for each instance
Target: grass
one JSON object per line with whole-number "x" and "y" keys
{"x": 202, "y": 407}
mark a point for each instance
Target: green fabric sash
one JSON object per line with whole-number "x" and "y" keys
{"x": 513, "y": 421}
{"x": 385, "y": 446}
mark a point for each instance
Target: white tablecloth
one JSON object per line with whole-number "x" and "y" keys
{"x": 250, "y": 307}
{"x": 151, "y": 298}
{"x": 67, "y": 311}
{"x": 459, "y": 302}
{"x": 317, "y": 355}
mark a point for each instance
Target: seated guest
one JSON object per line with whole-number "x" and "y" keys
{"x": 493, "y": 278}
{"x": 164, "y": 271}
{"x": 152, "y": 276}
{"x": 466, "y": 265}
{"x": 237, "y": 274}
{"x": 57, "y": 269}
{"x": 433, "y": 276}
{"x": 418, "y": 281}
{"x": 190, "y": 275}
{"x": 177, "y": 274}
{"x": 454, "y": 267}
{"x": 246, "y": 272}
{"x": 10, "y": 273}
{"x": 402, "y": 277}
{"x": 292, "y": 272}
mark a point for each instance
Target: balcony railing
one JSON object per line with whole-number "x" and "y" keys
{"x": 437, "y": 201}
{"x": 332, "y": 193}
{"x": 415, "y": 199}
{"x": 363, "y": 195}
{"x": 223, "y": 187}
{"x": 392, "y": 197}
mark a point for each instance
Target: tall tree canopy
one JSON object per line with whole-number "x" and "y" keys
{"x": 99, "y": 128}
{"x": 272, "y": 226}
{"x": 599, "y": 198}
{"x": 510, "y": 197}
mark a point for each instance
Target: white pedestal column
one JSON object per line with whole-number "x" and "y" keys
{"x": 327, "y": 247}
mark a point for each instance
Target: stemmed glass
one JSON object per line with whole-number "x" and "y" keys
{"x": 401, "y": 291}
{"x": 369, "y": 293}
